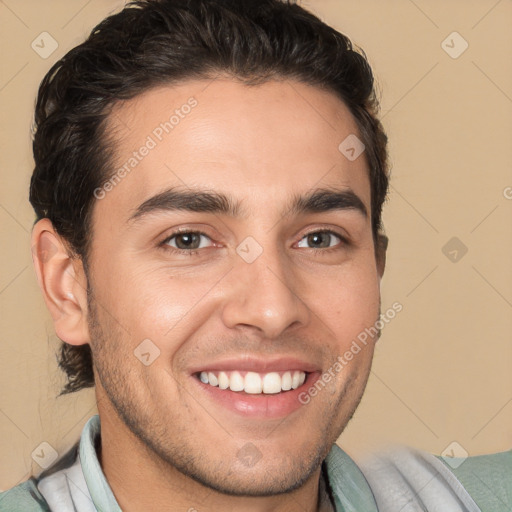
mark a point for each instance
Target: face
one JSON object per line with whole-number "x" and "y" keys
{"x": 232, "y": 263}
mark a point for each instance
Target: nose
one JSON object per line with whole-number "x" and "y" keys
{"x": 264, "y": 295}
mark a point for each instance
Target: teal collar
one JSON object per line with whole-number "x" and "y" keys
{"x": 101, "y": 493}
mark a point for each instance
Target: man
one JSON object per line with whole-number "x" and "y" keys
{"x": 208, "y": 188}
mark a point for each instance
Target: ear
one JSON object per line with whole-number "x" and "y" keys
{"x": 63, "y": 282}
{"x": 380, "y": 252}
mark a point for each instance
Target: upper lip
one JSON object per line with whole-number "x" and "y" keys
{"x": 257, "y": 364}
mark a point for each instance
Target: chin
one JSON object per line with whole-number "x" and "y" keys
{"x": 279, "y": 477}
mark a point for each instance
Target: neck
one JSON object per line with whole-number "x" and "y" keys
{"x": 140, "y": 480}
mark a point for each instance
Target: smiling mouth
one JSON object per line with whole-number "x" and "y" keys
{"x": 254, "y": 383}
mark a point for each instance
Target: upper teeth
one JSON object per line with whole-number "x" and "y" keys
{"x": 254, "y": 383}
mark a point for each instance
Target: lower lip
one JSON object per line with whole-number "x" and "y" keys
{"x": 262, "y": 405}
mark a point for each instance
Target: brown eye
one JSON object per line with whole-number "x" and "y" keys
{"x": 188, "y": 240}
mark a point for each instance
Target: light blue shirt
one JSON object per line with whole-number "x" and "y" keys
{"x": 404, "y": 479}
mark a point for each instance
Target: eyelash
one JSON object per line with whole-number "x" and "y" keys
{"x": 164, "y": 244}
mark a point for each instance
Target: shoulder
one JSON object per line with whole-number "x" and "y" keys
{"x": 487, "y": 478}
{"x": 30, "y": 496}
{"x": 411, "y": 478}
{"x": 24, "y": 497}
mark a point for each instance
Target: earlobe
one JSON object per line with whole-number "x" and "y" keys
{"x": 63, "y": 283}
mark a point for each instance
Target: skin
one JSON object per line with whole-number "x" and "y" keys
{"x": 166, "y": 445}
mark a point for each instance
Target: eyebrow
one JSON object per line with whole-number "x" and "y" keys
{"x": 203, "y": 201}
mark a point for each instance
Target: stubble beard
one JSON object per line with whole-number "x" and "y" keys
{"x": 172, "y": 445}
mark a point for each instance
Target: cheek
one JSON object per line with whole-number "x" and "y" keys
{"x": 348, "y": 301}
{"x": 158, "y": 304}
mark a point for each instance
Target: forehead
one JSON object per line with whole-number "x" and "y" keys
{"x": 261, "y": 143}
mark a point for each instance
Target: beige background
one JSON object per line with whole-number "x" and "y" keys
{"x": 442, "y": 371}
